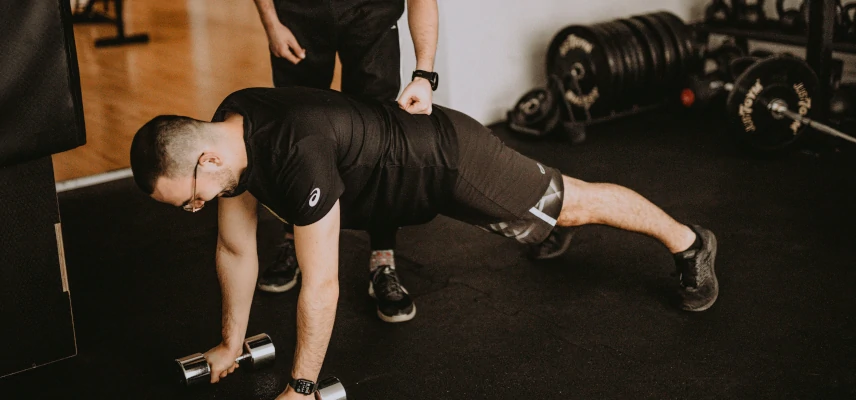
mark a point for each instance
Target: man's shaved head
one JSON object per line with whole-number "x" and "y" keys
{"x": 164, "y": 147}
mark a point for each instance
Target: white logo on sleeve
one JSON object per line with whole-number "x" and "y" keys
{"x": 541, "y": 168}
{"x": 313, "y": 197}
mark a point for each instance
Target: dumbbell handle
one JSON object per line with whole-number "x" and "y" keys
{"x": 243, "y": 357}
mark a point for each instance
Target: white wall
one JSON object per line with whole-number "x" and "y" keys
{"x": 490, "y": 52}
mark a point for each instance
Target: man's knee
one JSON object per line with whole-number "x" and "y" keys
{"x": 574, "y": 212}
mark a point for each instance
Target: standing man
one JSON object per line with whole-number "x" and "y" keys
{"x": 304, "y": 38}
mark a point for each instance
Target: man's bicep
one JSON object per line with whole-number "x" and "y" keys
{"x": 317, "y": 247}
{"x": 237, "y": 221}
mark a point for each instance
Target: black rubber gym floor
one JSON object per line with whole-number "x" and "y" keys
{"x": 598, "y": 323}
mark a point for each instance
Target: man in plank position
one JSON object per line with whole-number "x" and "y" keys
{"x": 326, "y": 161}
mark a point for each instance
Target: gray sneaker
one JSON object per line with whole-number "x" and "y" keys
{"x": 699, "y": 286}
{"x": 556, "y": 244}
{"x": 281, "y": 276}
{"x": 393, "y": 301}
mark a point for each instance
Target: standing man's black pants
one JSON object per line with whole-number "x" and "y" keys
{"x": 364, "y": 33}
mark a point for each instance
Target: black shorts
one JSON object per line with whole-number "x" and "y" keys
{"x": 363, "y": 33}
{"x": 498, "y": 188}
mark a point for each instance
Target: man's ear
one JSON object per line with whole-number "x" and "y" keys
{"x": 210, "y": 159}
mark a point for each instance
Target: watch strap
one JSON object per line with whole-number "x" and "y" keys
{"x": 431, "y": 77}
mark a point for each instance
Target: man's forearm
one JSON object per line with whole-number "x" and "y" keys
{"x": 267, "y": 12}
{"x": 316, "y": 313}
{"x": 422, "y": 16}
{"x": 237, "y": 274}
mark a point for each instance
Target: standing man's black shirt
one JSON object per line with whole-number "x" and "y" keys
{"x": 307, "y": 148}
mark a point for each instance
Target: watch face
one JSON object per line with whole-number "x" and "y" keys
{"x": 303, "y": 386}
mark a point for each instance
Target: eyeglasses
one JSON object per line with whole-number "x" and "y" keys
{"x": 194, "y": 204}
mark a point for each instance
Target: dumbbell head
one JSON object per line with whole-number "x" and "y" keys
{"x": 330, "y": 389}
{"x": 193, "y": 369}
{"x": 259, "y": 352}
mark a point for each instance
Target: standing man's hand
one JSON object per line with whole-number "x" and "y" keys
{"x": 222, "y": 361}
{"x": 423, "y": 19}
{"x": 281, "y": 40}
{"x": 283, "y": 44}
{"x": 417, "y": 97}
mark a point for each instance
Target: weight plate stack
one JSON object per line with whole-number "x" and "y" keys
{"x": 679, "y": 50}
{"x": 633, "y": 64}
{"x": 684, "y": 36}
{"x": 579, "y": 57}
{"x": 668, "y": 56}
{"x": 648, "y": 54}
{"x": 620, "y": 60}
{"x": 615, "y": 66}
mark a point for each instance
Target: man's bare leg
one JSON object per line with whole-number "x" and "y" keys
{"x": 694, "y": 248}
{"x": 619, "y": 207}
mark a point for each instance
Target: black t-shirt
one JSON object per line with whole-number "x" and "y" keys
{"x": 307, "y": 148}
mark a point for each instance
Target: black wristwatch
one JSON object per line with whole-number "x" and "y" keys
{"x": 302, "y": 386}
{"x": 430, "y": 76}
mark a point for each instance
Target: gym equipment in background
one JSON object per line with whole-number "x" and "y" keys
{"x": 87, "y": 14}
{"x": 770, "y": 104}
{"x": 604, "y": 71}
{"x": 718, "y": 12}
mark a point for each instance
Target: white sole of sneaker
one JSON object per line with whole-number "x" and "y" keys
{"x": 396, "y": 318}
{"x": 279, "y": 289}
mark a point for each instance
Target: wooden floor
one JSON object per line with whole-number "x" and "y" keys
{"x": 199, "y": 52}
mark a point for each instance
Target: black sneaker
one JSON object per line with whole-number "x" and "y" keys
{"x": 282, "y": 274}
{"x": 699, "y": 287}
{"x": 556, "y": 244}
{"x": 393, "y": 301}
